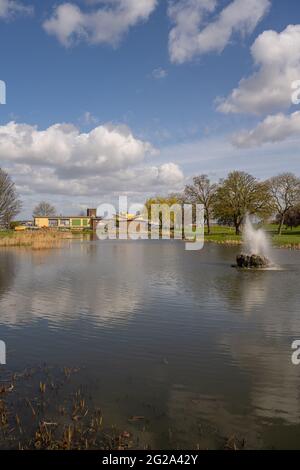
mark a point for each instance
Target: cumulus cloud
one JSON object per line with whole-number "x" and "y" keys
{"x": 277, "y": 57}
{"x": 62, "y": 146}
{"x": 62, "y": 160}
{"x": 105, "y": 23}
{"x": 10, "y": 8}
{"x": 195, "y": 33}
{"x": 269, "y": 90}
{"x": 273, "y": 129}
{"x": 169, "y": 173}
{"x": 135, "y": 181}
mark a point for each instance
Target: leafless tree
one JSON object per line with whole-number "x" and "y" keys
{"x": 202, "y": 191}
{"x": 285, "y": 193}
{"x": 44, "y": 209}
{"x": 10, "y": 205}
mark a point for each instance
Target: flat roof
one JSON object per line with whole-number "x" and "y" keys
{"x": 63, "y": 217}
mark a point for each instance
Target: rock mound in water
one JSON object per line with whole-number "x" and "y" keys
{"x": 252, "y": 261}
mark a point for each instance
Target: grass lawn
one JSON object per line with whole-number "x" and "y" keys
{"x": 289, "y": 238}
{"x": 222, "y": 234}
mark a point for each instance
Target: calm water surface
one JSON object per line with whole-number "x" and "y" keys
{"x": 201, "y": 350}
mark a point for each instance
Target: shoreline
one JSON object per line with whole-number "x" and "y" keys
{"x": 288, "y": 246}
{"x": 49, "y": 239}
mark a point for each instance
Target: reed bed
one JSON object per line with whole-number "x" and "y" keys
{"x": 44, "y": 408}
{"x": 36, "y": 240}
{"x": 49, "y": 408}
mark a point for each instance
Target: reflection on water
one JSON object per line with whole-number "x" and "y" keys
{"x": 8, "y": 268}
{"x": 199, "y": 349}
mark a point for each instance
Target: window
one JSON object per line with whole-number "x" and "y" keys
{"x": 53, "y": 222}
{"x": 64, "y": 222}
{"x": 76, "y": 222}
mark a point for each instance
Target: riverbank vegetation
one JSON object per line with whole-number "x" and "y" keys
{"x": 228, "y": 202}
{"x": 47, "y": 408}
{"x": 221, "y": 234}
{"x": 226, "y": 205}
{"x": 289, "y": 238}
{"x": 37, "y": 240}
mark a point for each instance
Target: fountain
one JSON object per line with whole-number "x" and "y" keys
{"x": 257, "y": 248}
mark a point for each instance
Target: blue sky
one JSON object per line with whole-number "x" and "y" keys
{"x": 141, "y": 93}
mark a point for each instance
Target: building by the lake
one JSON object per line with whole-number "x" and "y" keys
{"x": 90, "y": 221}
{"x": 79, "y": 222}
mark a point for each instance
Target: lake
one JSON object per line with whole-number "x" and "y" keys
{"x": 196, "y": 349}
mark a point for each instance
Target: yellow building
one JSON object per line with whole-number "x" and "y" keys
{"x": 67, "y": 222}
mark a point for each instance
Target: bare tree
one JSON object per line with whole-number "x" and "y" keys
{"x": 285, "y": 193}
{"x": 10, "y": 205}
{"x": 202, "y": 191}
{"x": 44, "y": 209}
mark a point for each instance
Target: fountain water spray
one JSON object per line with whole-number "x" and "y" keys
{"x": 255, "y": 241}
{"x": 257, "y": 248}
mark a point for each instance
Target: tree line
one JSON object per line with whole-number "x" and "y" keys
{"x": 239, "y": 194}
{"x": 228, "y": 201}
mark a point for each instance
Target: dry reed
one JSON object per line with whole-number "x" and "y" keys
{"x": 38, "y": 240}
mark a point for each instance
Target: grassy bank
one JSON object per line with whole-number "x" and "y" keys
{"x": 223, "y": 235}
{"x": 36, "y": 240}
{"x": 226, "y": 235}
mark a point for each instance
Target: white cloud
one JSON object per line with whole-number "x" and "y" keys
{"x": 88, "y": 119}
{"x": 62, "y": 146}
{"x": 216, "y": 156}
{"x": 62, "y": 161}
{"x": 159, "y": 73}
{"x": 273, "y": 129}
{"x": 10, "y": 8}
{"x": 137, "y": 181}
{"x": 102, "y": 24}
{"x": 169, "y": 174}
{"x": 269, "y": 90}
{"x": 277, "y": 56}
{"x": 191, "y": 36}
